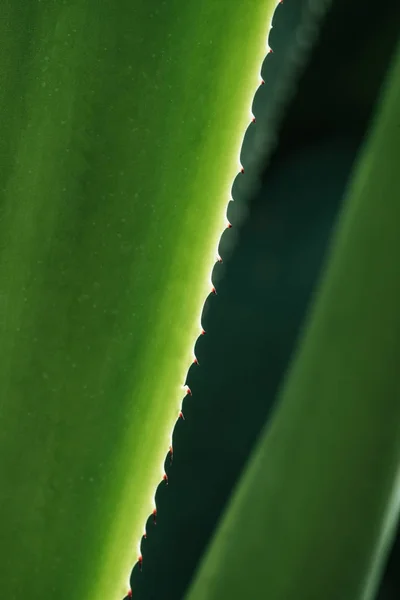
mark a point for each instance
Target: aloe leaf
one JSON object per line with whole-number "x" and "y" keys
{"x": 315, "y": 512}
{"x": 121, "y": 124}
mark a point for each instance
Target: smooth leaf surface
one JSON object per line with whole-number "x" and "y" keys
{"x": 315, "y": 512}
{"x": 121, "y": 124}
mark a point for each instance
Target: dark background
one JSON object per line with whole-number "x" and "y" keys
{"x": 265, "y": 282}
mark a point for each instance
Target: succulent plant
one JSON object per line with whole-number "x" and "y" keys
{"x": 198, "y": 330}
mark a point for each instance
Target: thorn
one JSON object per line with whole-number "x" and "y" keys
{"x": 213, "y": 290}
{"x": 171, "y": 455}
{"x": 181, "y": 415}
{"x": 253, "y": 120}
{"x": 130, "y": 594}
{"x": 165, "y": 478}
{"x": 229, "y": 225}
{"x": 155, "y": 516}
{"x": 188, "y": 391}
{"x": 219, "y": 259}
{"x": 270, "y": 51}
{"x": 262, "y": 82}
{"x": 140, "y": 561}
{"x": 203, "y": 332}
{"x": 195, "y": 361}
{"x": 242, "y": 170}
{"x": 145, "y": 535}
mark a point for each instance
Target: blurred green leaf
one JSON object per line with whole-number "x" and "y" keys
{"x": 315, "y": 512}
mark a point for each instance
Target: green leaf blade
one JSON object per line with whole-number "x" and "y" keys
{"x": 118, "y": 152}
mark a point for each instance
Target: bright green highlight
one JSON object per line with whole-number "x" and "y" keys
{"x": 121, "y": 125}
{"x": 315, "y": 512}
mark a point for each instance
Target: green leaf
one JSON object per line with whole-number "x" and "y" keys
{"x": 315, "y": 512}
{"x": 121, "y": 124}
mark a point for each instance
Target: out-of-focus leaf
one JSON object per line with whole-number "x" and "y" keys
{"x": 315, "y": 512}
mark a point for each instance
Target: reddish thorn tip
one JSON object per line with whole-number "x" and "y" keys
{"x": 270, "y": 51}
{"x": 140, "y": 559}
{"x": 165, "y": 478}
{"x": 253, "y": 120}
{"x": 203, "y": 332}
{"x": 196, "y": 362}
{"x": 229, "y": 225}
{"x": 130, "y": 594}
{"x": 188, "y": 390}
{"x": 219, "y": 259}
{"x": 213, "y": 290}
{"x": 145, "y": 535}
{"x": 242, "y": 170}
{"x": 181, "y": 415}
{"x": 262, "y": 82}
